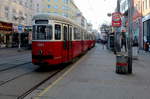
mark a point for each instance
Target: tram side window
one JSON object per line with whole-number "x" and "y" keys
{"x": 57, "y": 32}
{"x": 49, "y": 32}
{"x": 86, "y": 36}
{"x": 65, "y": 33}
{"x": 77, "y": 34}
{"x": 82, "y": 35}
{"x": 70, "y": 33}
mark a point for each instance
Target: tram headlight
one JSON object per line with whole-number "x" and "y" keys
{"x": 40, "y": 52}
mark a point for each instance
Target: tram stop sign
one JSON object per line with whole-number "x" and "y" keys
{"x": 20, "y": 27}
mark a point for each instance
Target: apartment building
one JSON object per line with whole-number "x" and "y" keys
{"x": 13, "y": 13}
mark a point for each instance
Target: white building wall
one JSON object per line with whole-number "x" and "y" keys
{"x": 19, "y": 11}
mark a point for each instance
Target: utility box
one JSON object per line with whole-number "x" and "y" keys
{"x": 121, "y": 63}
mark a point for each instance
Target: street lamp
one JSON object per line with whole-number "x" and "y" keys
{"x": 20, "y": 19}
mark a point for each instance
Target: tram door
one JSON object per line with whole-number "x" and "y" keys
{"x": 70, "y": 48}
{"x": 67, "y": 31}
{"x": 82, "y": 41}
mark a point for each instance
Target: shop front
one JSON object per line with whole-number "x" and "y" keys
{"x": 24, "y": 36}
{"x": 5, "y": 34}
{"x": 146, "y": 31}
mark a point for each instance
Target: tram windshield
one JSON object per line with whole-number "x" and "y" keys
{"x": 42, "y": 32}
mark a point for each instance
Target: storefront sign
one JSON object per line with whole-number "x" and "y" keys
{"x": 116, "y": 19}
{"x": 5, "y": 26}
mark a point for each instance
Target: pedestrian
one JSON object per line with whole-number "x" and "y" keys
{"x": 104, "y": 42}
{"x": 123, "y": 41}
{"x": 146, "y": 46}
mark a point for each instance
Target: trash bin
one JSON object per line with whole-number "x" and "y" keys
{"x": 121, "y": 63}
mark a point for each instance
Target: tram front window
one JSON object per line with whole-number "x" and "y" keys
{"x": 42, "y": 32}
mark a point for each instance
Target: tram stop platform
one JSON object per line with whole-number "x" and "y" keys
{"x": 94, "y": 77}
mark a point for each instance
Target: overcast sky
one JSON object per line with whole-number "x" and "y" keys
{"x": 95, "y": 11}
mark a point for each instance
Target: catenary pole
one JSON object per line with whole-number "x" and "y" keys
{"x": 130, "y": 35}
{"x": 117, "y": 33}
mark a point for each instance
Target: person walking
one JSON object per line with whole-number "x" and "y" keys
{"x": 104, "y": 42}
{"x": 123, "y": 41}
{"x": 146, "y": 46}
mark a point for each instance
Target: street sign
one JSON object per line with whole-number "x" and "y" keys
{"x": 20, "y": 28}
{"x": 116, "y": 19}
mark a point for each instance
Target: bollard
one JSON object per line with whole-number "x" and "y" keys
{"x": 121, "y": 63}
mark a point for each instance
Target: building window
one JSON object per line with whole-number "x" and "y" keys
{"x": 20, "y": 13}
{"x": 55, "y": 13}
{"x": 7, "y": 12}
{"x": 14, "y": 13}
{"x": 56, "y": 7}
{"x": 64, "y": 8}
{"x": 26, "y": 4}
{"x": 65, "y": 14}
{"x": 149, "y": 3}
{"x": 143, "y": 6}
{"x": 38, "y": 10}
{"x": 146, "y": 3}
{"x": 65, "y": 1}
{"x": 49, "y": 6}
{"x": 20, "y": 2}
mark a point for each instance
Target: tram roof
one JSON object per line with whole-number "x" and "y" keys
{"x": 48, "y": 16}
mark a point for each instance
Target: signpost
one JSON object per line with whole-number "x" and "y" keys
{"x": 20, "y": 28}
{"x": 116, "y": 22}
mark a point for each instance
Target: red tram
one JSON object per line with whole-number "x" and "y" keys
{"x": 57, "y": 40}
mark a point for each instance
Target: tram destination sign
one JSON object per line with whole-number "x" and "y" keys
{"x": 116, "y": 19}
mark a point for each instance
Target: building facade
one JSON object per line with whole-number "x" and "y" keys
{"x": 65, "y": 8}
{"x": 20, "y": 12}
{"x": 137, "y": 20}
{"x": 146, "y": 20}
{"x": 12, "y": 14}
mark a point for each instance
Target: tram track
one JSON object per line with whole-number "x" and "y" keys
{"x": 22, "y": 84}
{"x": 18, "y": 82}
{"x": 37, "y": 85}
{"x": 15, "y": 77}
{"x": 12, "y": 67}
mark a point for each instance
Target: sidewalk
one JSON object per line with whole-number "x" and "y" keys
{"x": 94, "y": 77}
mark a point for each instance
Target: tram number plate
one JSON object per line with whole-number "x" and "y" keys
{"x": 40, "y": 44}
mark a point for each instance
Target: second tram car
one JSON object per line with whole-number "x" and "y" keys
{"x": 57, "y": 40}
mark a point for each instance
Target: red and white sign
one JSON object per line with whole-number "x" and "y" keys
{"x": 116, "y": 19}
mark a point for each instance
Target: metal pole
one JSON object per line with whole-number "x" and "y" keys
{"x": 130, "y": 8}
{"x": 117, "y": 33}
{"x": 19, "y": 46}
